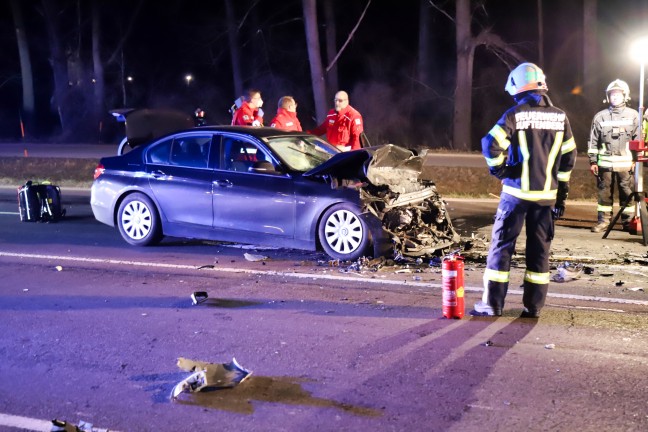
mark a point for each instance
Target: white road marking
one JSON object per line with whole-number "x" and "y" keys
{"x": 33, "y": 424}
{"x": 10, "y": 213}
{"x": 305, "y": 276}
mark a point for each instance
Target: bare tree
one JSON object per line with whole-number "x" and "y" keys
{"x": 332, "y": 74}
{"x": 314, "y": 57}
{"x": 424, "y": 47}
{"x": 97, "y": 64}
{"x": 235, "y": 53}
{"x": 466, "y": 45}
{"x": 28, "y": 100}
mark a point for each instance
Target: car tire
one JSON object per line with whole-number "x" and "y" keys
{"x": 342, "y": 233}
{"x": 138, "y": 220}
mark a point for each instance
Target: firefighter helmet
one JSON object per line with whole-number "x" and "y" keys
{"x": 621, "y": 85}
{"x": 525, "y": 77}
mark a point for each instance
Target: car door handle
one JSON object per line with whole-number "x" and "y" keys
{"x": 157, "y": 174}
{"x": 223, "y": 183}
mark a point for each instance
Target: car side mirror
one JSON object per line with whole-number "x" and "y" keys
{"x": 263, "y": 167}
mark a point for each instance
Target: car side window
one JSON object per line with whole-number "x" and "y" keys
{"x": 190, "y": 151}
{"x": 160, "y": 153}
{"x": 241, "y": 155}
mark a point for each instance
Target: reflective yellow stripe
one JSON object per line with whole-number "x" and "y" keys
{"x": 614, "y": 164}
{"x": 536, "y": 278}
{"x": 552, "y": 159}
{"x": 604, "y": 208}
{"x": 499, "y": 160}
{"x": 496, "y": 276}
{"x": 564, "y": 176}
{"x": 568, "y": 145}
{"x": 592, "y": 152}
{"x": 500, "y": 136}
{"x": 530, "y": 195}
{"x": 524, "y": 149}
{"x": 629, "y": 209}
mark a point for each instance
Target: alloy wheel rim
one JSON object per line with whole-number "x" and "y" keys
{"x": 343, "y": 231}
{"x": 137, "y": 220}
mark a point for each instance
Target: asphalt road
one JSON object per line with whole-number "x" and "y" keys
{"x": 92, "y": 329}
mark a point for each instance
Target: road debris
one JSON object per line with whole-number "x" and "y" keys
{"x": 550, "y": 346}
{"x": 83, "y": 426}
{"x": 208, "y": 376}
{"x": 198, "y": 297}
{"x": 636, "y": 289}
{"x": 567, "y": 271}
{"x": 58, "y": 268}
{"x": 254, "y": 257}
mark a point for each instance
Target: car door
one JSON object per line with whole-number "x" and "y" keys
{"x": 181, "y": 178}
{"x": 258, "y": 204}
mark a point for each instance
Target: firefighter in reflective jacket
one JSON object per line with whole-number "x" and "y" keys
{"x": 609, "y": 153}
{"x": 532, "y": 150}
{"x": 342, "y": 125}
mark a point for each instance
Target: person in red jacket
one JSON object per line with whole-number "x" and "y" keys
{"x": 343, "y": 124}
{"x": 286, "y": 118}
{"x": 250, "y": 112}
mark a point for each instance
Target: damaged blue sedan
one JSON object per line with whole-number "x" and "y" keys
{"x": 268, "y": 187}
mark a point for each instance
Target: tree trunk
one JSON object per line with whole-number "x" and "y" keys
{"x": 332, "y": 85}
{"x": 28, "y": 99}
{"x": 58, "y": 61}
{"x": 97, "y": 65}
{"x": 314, "y": 57}
{"x": 463, "y": 91}
{"x": 235, "y": 51}
{"x": 423, "y": 66}
{"x": 590, "y": 51}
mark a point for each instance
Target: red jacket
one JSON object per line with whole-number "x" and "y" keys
{"x": 286, "y": 120}
{"x": 342, "y": 129}
{"x": 246, "y": 115}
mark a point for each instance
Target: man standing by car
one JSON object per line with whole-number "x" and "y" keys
{"x": 343, "y": 124}
{"x": 609, "y": 153}
{"x": 250, "y": 112}
{"x": 286, "y": 118}
{"x": 532, "y": 150}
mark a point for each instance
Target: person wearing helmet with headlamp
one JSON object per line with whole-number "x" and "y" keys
{"x": 609, "y": 153}
{"x": 531, "y": 150}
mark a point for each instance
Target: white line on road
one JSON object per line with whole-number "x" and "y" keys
{"x": 304, "y": 276}
{"x": 33, "y": 424}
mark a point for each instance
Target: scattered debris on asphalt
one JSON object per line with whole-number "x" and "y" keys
{"x": 198, "y": 297}
{"x": 636, "y": 289}
{"x": 567, "y": 271}
{"x": 550, "y": 346}
{"x": 58, "y": 268}
{"x": 254, "y": 257}
{"x": 208, "y": 376}
{"x": 83, "y": 426}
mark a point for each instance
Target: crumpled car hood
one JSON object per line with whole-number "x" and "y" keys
{"x": 411, "y": 210}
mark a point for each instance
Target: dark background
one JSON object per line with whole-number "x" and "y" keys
{"x": 378, "y": 68}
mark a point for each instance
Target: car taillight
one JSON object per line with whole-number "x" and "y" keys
{"x": 99, "y": 170}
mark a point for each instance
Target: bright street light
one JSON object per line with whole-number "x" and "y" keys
{"x": 188, "y": 78}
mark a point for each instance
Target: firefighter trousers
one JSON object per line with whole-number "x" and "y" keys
{"x": 512, "y": 214}
{"x": 606, "y": 180}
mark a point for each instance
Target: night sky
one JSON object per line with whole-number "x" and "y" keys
{"x": 174, "y": 38}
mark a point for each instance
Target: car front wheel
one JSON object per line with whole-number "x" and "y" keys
{"x": 138, "y": 220}
{"x": 343, "y": 235}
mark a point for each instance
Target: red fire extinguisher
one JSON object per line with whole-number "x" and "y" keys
{"x": 452, "y": 273}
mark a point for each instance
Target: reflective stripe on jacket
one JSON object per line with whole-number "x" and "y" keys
{"x": 531, "y": 148}
{"x": 612, "y": 129}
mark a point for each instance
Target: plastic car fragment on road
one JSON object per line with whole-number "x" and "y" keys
{"x": 208, "y": 376}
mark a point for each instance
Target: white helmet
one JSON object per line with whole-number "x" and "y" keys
{"x": 621, "y": 85}
{"x": 525, "y": 77}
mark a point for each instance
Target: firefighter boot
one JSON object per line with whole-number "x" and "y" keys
{"x": 603, "y": 222}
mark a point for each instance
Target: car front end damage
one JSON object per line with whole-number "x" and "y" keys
{"x": 411, "y": 213}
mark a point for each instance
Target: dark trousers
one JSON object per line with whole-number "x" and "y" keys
{"x": 605, "y": 183}
{"x": 512, "y": 214}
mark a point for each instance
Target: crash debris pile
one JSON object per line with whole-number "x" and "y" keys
{"x": 411, "y": 210}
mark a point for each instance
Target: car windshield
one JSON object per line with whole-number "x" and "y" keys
{"x": 302, "y": 153}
